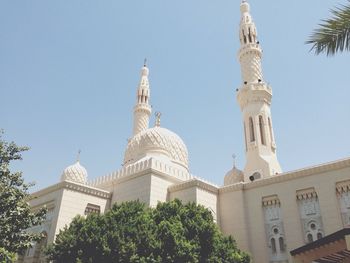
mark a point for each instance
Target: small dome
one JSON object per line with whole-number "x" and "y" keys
{"x": 157, "y": 142}
{"x": 233, "y": 176}
{"x": 244, "y": 7}
{"x": 75, "y": 173}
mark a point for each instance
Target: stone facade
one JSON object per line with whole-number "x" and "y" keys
{"x": 269, "y": 212}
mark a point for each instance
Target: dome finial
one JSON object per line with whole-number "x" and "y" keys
{"x": 234, "y": 160}
{"x": 158, "y": 114}
{"x": 78, "y": 155}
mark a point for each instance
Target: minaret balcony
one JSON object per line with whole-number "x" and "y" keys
{"x": 249, "y": 48}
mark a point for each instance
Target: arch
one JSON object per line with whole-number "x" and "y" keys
{"x": 319, "y": 235}
{"x": 262, "y": 130}
{"x": 251, "y": 130}
{"x": 273, "y": 245}
{"x": 250, "y": 35}
{"x": 310, "y": 238}
{"x": 281, "y": 243}
{"x": 244, "y": 37}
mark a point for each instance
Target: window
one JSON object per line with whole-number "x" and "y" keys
{"x": 319, "y": 235}
{"x": 251, "y": 130}
{"x": 309, "y": 238}
{"x": 250, "y": 35}
{"x": 245, "y": 137}
{"x": 281, "y": 243}
{"x": 273, "y": 245}
{"x": 91, "y": 208}
{"x": 262, "y": 131}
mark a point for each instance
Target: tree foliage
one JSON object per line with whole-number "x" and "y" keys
{"x": 333, "y": 34}
{"x": 132, "y": 232}
{"x": 15, "y": 213}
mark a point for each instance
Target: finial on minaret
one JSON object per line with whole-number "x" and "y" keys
{"x": 145, "y": 62}
{"x": 78, "y": 156}
{"x": 158, "y": 114}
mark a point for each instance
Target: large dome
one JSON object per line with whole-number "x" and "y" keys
{"x": 156, "y": 141}
{"x": 75, "y": 173}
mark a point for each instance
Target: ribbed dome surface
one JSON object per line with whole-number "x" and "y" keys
{"x": 156, "y": 140}
{"x": 233, "y": 176}
{"x": 75, "y": 173}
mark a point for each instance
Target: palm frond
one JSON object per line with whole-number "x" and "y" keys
{"x": 333, "y": 34}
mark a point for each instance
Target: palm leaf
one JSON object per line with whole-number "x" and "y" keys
{"x": 333, "y": 34}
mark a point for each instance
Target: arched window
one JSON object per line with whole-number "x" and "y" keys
{"x": 245, "y": 137}
{"x": 309, "y": 238}
{"x": 249, "y": 35}
{"x": 244, "y": 37}
{"x": 273, "y": 245}
{"x": 262, "y": 130}
{"x": 270, "y": 129}
{"x": 251, "y": 130}
{"x": 281, "y": 243}
{"x": 319, "y": 235}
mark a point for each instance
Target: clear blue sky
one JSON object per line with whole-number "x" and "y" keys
{"x": 69, "y": 72}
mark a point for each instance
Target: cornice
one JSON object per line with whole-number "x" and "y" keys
{"x": 233, "y": 187}
{"x": 147, "y": 166}
{"x": 194, "y": 183}
{"x": 270, "y": 200}
{"x": 343, "y": 187}
{"x": 86, "y": 189}
{"x": 307, "y": 193}
{"x": 288, "y": 176}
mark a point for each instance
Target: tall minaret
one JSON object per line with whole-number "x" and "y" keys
{"x": 254, "y": 98}
{"x": 142, "y": 109}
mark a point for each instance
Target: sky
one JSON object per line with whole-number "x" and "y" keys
{"x": 69, "y": 71}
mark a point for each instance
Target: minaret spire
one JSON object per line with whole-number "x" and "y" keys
{"x": 142, "y": 109}
{"x": 254, "y": 98}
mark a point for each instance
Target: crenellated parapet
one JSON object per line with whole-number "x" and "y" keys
{"x": 148, "y": 165}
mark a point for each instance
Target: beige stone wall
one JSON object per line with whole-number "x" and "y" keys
{"x": 159, "y": 189}
{"x": 133, "y": 188}
{"x": 185, "y": 195}
{"x": 209, "y": 200}
{"x": 233, "y": 216}
{"x": 53, "y": 199}
{"x": 73, "y": 203}
{"x": 253, "y": 238}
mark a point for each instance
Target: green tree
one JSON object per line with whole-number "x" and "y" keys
{"x": 333, "y": 34}
{"x": 132, "y": 232}
{"x": 15, "y": 213}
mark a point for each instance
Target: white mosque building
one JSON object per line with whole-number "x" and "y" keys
{"x": 269, "y": 212}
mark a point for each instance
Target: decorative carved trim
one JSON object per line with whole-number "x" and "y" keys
{"x": 270, "y": 200}
{"x": 343, "y": 187}
{"x": 86, "y": 189}
{"x": 306, "y": 193}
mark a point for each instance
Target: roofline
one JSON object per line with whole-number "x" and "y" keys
{"x": 288, "y": 176}
{"x": 74, "y": 186}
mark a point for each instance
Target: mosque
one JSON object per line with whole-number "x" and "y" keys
{"x": 269, "y": 212}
